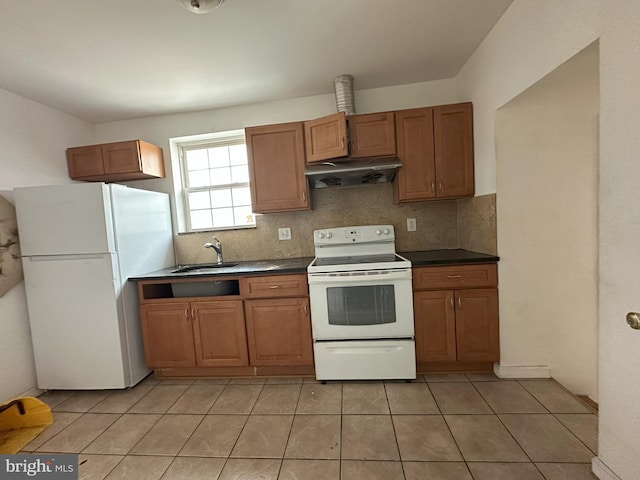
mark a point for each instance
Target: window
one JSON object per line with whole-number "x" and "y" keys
{"x": 215, "y": 183}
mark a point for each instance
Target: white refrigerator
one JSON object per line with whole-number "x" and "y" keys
{"x": 80, "y": 242}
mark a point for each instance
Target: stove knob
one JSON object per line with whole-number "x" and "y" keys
{"x": 378, "y": 231}
{"x": 386, "y": 231}
{"x": 329, "y": 234}
{"x": 321, "y": 235}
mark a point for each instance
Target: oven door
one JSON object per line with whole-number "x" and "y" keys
{"x": 361, "y": 304}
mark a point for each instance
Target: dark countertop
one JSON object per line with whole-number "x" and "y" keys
{"x": 447, "y": 257}
{"x": 299, "y": 265}
{"x": 247, "y": 267}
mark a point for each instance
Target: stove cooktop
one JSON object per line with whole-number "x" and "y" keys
{"x": 357, "y": 259}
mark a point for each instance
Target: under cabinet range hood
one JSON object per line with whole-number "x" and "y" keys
{"x": 352, "y": 172}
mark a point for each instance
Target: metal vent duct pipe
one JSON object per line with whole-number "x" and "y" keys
{"x": 345, "y": 98}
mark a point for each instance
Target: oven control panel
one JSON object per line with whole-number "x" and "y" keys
{"x": 350, "y": 235}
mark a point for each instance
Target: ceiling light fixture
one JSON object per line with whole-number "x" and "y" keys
{"x": 200, "y": 6}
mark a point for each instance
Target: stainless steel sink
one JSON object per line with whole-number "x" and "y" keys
{"x": 201, "y": 266}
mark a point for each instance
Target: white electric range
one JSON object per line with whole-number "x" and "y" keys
{"x": 361, "y": 305}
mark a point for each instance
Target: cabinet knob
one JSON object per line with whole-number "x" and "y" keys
{"x": 459, "y": 302}
{"x": 186, "y": 313}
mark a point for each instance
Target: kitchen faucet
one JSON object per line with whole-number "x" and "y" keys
{"x": 217, "y": 247}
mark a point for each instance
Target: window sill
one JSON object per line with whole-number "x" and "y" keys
{"x": 213, "y": 230}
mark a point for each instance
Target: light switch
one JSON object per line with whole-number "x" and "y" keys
{"x": 284, "y": 233}
{"x": 411, "y": 224}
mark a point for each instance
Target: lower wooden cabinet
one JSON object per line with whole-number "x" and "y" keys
{"x": 477, "y": 336}
{"x": 219, "y": 334}
{"x": 459, "y": 324}
{"x": 167, "y": 334}
{"x": 189, "y": 334}
{"x": 279, "y": 331}
{"x": 266, "y": 327}
{"x": 435, "y": 326}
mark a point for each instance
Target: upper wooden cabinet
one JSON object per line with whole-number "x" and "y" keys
{"x": 355, "y": 136}
{"x": 114, "y": 162}
{"x": 326, "y": 138}
{"x": 435, "y": 146}
{"x": 416, "y": 179}
{"x": 372, "y": 135}
{"x": 453, "y": 142}
{"x": 276, "y": 168}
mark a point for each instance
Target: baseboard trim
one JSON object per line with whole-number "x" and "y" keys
{"x": 521, "y": 371}
{"x": 33, "y": 392}
{"x": 601, "y": 471}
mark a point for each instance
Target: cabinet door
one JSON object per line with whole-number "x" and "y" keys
{"x": 372, "y": 135}
{"x": 121, "y": 157}
{"x": 167, "y": 334}
{"x": 276, "y": 168}
{"x": 326, "y": 138}
{"x": 279, "y": 331}
{"x": 477, "y": 332}
{"x": 435, "y": 327}
{"x": 416, "y": 179}
{"x": 453, "y": 134}
{"x": 85, "y": 161}
{"x": 219, "y": 333}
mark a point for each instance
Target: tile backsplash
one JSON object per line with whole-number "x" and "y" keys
{"x": 438, "y": 224}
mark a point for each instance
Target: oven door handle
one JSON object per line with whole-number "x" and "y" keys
{"x": 360, "y": 276}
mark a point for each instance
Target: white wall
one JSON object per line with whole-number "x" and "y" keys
{"x": 531, "y": 40}
{"x": 33, "y": 139}
{"x": 547, "y": 179}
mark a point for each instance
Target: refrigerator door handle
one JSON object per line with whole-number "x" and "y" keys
{"x": 49, "y": 258}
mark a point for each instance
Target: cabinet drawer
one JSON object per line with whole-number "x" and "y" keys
{"x": 455, "y": 276}
{"x": 274, "y": 286}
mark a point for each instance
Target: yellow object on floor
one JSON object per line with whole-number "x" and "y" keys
{"x": 22, "y": 420}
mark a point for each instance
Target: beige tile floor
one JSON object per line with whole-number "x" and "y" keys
{"x": 439, "y": 427}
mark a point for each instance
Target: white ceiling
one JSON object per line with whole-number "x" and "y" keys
{"x": 104, "y": 60}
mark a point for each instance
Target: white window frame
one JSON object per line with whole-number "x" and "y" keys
{"x": 178, "y": 146}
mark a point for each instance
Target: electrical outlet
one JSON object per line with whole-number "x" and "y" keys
{"x": 284, "y": 233}
{"x": 411, "y": 224}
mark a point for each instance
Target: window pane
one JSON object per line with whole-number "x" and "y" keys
{"x": 240, "y": 174}
{"x": 238, "y": 154}
{"x": 223, "y": 217}
{"x": 199, "y": 178}
{"x": 221, "y": 198}
{"x": 244, "y": 216}
{"x": 201, "y": 219}
{"x": 197, "y": 159}
{"x": 220, "y": 176}
{"x": 199, "y": 200}
{"x": 241, "y": 196}
{"x": 211, "y": 171}
{"x": 219, "y": 157}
